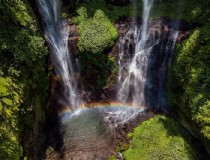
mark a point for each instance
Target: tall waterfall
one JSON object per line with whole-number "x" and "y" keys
{"x": 134, "y": 82}
{"x": 56, "y": 34}
{"x": 146, "y": 10}
{"x": 143, "y": 74}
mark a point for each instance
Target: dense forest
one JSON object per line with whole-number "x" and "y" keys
{"x": 29, "y": 85}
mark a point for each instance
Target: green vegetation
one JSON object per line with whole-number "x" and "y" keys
{"x": 9, "y": 101}
{"x": 97, "y": 34}
{"x": 180, "y": 9}
{"x": 160, "y": 138}
{"x": 112, "y": 158}
{"x": 190, "y": 74}
{"x": 112, "y": 12}
{"x": 98, "y": 70}
{"x": 22, "y": 63}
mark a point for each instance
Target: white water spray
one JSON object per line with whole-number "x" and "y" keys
{"x": 143, "y": 71}
{"x": 133, "y": 84}
{"x": 56, "y": 34}
{"x": 146, "y": 11}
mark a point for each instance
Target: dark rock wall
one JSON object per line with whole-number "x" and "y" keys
{"x": 119, "y": 2}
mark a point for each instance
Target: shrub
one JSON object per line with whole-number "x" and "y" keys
{"x": 96, "y": 34}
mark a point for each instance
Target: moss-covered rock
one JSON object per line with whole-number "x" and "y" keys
{"x": 97, "y": 36}
{"x": 160, "y": 138}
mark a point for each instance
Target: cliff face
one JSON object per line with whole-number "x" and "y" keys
{"x": 160, "y": 31}
{"x": 118, "y": 2}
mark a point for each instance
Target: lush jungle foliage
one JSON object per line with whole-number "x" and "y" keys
{"x": 23, "y": 79}
{"x": 160, "y": 138}
{"x": 190, "y": 73}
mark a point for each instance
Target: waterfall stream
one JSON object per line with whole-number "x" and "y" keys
{"x": 134, "y": 82}
{"x": 56, "y": 34}
{"x": 143, "y": 70}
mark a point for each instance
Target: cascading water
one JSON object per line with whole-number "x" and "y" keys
{"x": 146, "y": 10}
{"x": 134, "y": 82}
{"x": 143, "y": 70}
{"x": 56, "y": 34}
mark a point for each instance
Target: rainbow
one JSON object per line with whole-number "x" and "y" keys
{"x": 67, "y": 109}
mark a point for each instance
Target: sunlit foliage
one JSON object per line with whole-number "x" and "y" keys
{"x": 160, "y": 138}
{"x": 22, "y": 75}
{"x": 97, "y": 33}
{"x": 190, "y": 73}
{"x": 191, "y": 81}
{"x": 10, "y": 99}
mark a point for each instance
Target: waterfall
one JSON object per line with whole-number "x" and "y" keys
{"x": 133, "y": 84}
{"x": 56, "y": 34}
{"x": 146, "y": 10}
{"x": 143, "y": 70}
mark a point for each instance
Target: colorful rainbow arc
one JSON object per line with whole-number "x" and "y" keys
{"x": 67, "y": 109}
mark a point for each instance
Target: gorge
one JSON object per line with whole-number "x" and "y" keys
{"x": 103, "y": 80}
